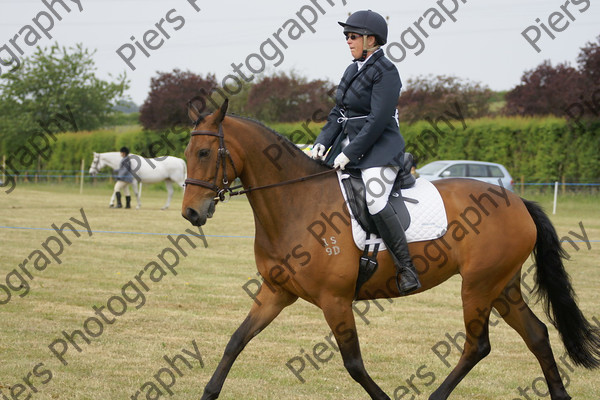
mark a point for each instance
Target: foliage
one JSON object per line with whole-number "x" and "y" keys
{"x": 428, "y": 96}
{"x": 540, "y": 149}
{"x": 545, "y": 90}
{"x": 288, "y": 98}
{"x": 560, "y": 90}
{"x": 238, "y": 98}
{"x": 117, "y": 119}
{"x": 166, "y": 104}
{"x": 49, "y": 81}
{"x": 126, "y": 106}
{"x": 589, "y": 61}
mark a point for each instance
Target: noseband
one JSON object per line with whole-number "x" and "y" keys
{"x": 95, "y": 163}
{"x": 225, "y": 192}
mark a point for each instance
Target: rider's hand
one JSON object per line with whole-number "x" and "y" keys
{"x": 340, "y": 161}
{"x": 317, "y": 152}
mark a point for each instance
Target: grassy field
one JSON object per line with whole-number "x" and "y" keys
{"x": 199, "y": 308}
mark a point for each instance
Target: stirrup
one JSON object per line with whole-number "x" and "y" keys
{"x": 410, "y": 289}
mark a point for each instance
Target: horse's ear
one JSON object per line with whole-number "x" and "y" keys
{"x": 193, "y": 112}
{"x": 220, "y": 114}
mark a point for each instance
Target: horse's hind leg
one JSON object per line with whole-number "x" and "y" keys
{"x": 340, "y": 319}
{"x": 535, "y": 334}
{"x": 476, "y": 313}
{"x": 268, "y": 304}
{"x": 169, "y": 186}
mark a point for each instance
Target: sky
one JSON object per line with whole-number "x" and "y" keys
{"x": 482, "y": 41}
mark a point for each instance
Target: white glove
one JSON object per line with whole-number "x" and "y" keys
{"x": 318, "y": 151}
{"x": 340, "y": 161}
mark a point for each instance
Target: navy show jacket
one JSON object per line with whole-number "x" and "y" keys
{"x": 371, "y": 92}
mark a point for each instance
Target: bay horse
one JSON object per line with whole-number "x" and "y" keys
{"x": 296, "y": 201}
{"x": 145, "y": 170}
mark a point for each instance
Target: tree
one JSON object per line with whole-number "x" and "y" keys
{"x": 430, "y": 96}
{"x": 166, "y": 104}
{"x": 53, "y": 78}
{"x": 561, "y": 90}
{"x": 126, "y": 106}
{"x": 545, "y": 90}
{"x": 589, "y": 62}
{"x": 289, "y": 98}
{"x": 47, "y": 84}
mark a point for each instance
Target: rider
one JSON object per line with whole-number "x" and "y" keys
{"x": 124, "y": 179}
{"x": 362, "y": 132}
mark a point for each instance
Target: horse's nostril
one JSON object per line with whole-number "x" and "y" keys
{"x": 191, "y": 214}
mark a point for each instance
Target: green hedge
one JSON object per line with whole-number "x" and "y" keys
{"x": 539, "y": 149}
{"x": 71, "y": 148}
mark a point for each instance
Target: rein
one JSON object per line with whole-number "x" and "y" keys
{"x": 226, "y": 192}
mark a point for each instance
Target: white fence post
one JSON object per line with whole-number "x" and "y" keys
{"x": 82, "y": 175}
{"x": 555, "y": 197}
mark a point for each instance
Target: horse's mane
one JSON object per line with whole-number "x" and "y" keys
{"x": 281, "y": 138}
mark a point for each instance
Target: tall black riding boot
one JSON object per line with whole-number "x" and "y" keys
{"x": 127, "y": 201}
{"x": 119, "y": 204}
{"x": 391, "y": 231}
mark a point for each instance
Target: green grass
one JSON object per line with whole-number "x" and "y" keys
{"x": 205, "y": 303}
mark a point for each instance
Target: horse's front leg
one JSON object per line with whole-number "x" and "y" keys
{"x": 169, "y": 186}
{"x": 134, "y": 185}
{"x": 268, "y": 304}
{"x": 340, "y": 318}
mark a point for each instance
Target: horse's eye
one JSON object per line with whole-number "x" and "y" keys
{"x": 203, "y": 153}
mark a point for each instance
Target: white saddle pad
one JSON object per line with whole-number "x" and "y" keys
{"x": 428, "y": 219}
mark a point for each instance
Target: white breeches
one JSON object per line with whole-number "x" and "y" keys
{"x": 378, "y": 183}
{"x": 122, "y": 185}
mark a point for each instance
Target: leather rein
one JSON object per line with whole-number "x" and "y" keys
{"x": 225, "y": 192}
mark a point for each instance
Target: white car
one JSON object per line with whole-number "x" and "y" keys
{"x": 480, "y": 170}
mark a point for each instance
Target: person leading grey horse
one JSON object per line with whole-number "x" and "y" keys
{"x": 124, "y": 179}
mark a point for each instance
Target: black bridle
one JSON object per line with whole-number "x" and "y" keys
{"x": 225, "y": 192}
{"x": 95, "y": 163}
{"x": 222, "y": 156}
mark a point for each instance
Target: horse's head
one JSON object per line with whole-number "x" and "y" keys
{"x": 95, "y": 167}
{"x": 212, "y": 165}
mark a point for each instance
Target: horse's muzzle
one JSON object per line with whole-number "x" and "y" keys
{"x": 198, "y": 218}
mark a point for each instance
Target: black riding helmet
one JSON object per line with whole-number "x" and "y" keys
{"x": 366, "y": 23}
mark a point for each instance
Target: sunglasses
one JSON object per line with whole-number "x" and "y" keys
{"x": 352, "y": 36}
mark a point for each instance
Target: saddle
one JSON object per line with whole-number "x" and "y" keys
{"x": 355, "y": 193}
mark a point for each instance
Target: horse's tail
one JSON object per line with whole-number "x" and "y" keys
{"x": 553, "y": 286}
